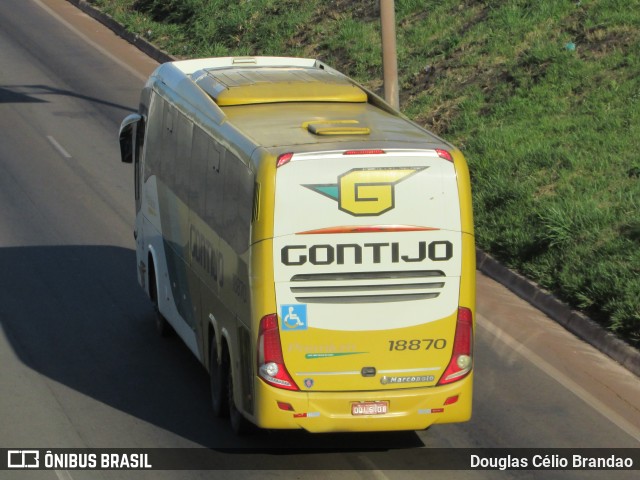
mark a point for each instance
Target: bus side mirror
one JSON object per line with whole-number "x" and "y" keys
{"x": 128, "y": 137}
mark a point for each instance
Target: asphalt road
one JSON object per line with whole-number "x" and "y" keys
{"x": 81, "y": 365}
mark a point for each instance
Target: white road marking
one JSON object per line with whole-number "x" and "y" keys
{"x": 63, "y": 475}
{"x": 58, "y": 147}
{"x": 563, "y": 379}
{"x": 373, "y": 468}
{"x": 92, "y": 43}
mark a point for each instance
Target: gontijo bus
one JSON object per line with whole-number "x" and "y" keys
{"x": 312, "y": 247}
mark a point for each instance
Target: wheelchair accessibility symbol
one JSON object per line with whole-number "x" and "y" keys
{"x": 294, "y": 317}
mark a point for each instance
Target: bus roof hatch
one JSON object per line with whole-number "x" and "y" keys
{"x": 250, "y": 86}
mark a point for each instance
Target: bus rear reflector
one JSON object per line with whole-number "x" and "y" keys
{"x": 444, "y": 154}
{"x": 462, "y": 356}
{"x": 271, "y": 367}
{"x": 451, "y": 400}
{"x": 283, "y": 159}
{"x": 286, "y": 406}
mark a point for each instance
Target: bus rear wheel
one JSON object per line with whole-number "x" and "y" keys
{"x": 218, "y": 374}
{"x": 162, "y": 326}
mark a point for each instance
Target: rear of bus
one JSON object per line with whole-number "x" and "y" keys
{"x": 374, "y": 273}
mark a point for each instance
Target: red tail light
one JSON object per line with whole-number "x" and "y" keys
{"x": 375, "y": 151}
{"x": 271, "y": 367}
{"x": 462, "y": 356}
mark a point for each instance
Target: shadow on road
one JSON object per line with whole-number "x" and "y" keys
{"x": 77, "y": 315}
{"x": 39, "y": 93}
{"x": 13, "y": 95}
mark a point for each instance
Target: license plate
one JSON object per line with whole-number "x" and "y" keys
{"x": 369, "y": 408}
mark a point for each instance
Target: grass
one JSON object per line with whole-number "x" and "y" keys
{"x": 543, "y": 97}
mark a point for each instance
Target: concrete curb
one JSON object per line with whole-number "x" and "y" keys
{"x": 577, "y": 323}
{"x": 146, "y": 47}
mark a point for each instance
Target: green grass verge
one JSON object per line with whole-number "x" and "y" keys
{"x": 542, "y": 96}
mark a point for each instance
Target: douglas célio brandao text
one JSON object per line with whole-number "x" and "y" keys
{"x": 549, "y": 461}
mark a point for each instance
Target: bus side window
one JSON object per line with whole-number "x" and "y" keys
{"x": 167, "y": 152}
{"x": 216, "y": 179}
{"x": 183, "y": 157}
{"x": 238, "y": 202}
{"x": 198, "y": 172}
{"x": 154, "y": 137}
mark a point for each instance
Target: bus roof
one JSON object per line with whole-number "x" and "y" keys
{"x": 280, "y": 102}
{"x": 290, "y": 124}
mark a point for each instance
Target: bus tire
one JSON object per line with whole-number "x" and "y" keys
{"x": 218, "y": 379}
{"x": 239, "y": 424}
{"x": 162, "y": 326}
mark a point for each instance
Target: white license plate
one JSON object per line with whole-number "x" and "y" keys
{"x": 369, "y": 408}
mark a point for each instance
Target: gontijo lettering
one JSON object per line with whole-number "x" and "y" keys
{"x": 370, "y": 253}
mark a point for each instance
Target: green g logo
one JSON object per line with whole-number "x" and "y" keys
{"x": 366, "y": 191}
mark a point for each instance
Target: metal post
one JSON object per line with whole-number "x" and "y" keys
{"x": 389, "y": 55}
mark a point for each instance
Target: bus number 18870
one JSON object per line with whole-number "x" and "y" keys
{"x": 417, "y": 344}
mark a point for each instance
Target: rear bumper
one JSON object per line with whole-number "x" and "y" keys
{"x": 409, "y": 409}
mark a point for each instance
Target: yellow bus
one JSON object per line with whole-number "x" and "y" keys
{"x": 311, "y": 246}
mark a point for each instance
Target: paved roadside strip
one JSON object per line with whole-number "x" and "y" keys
{"x": 575, "y": 322}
